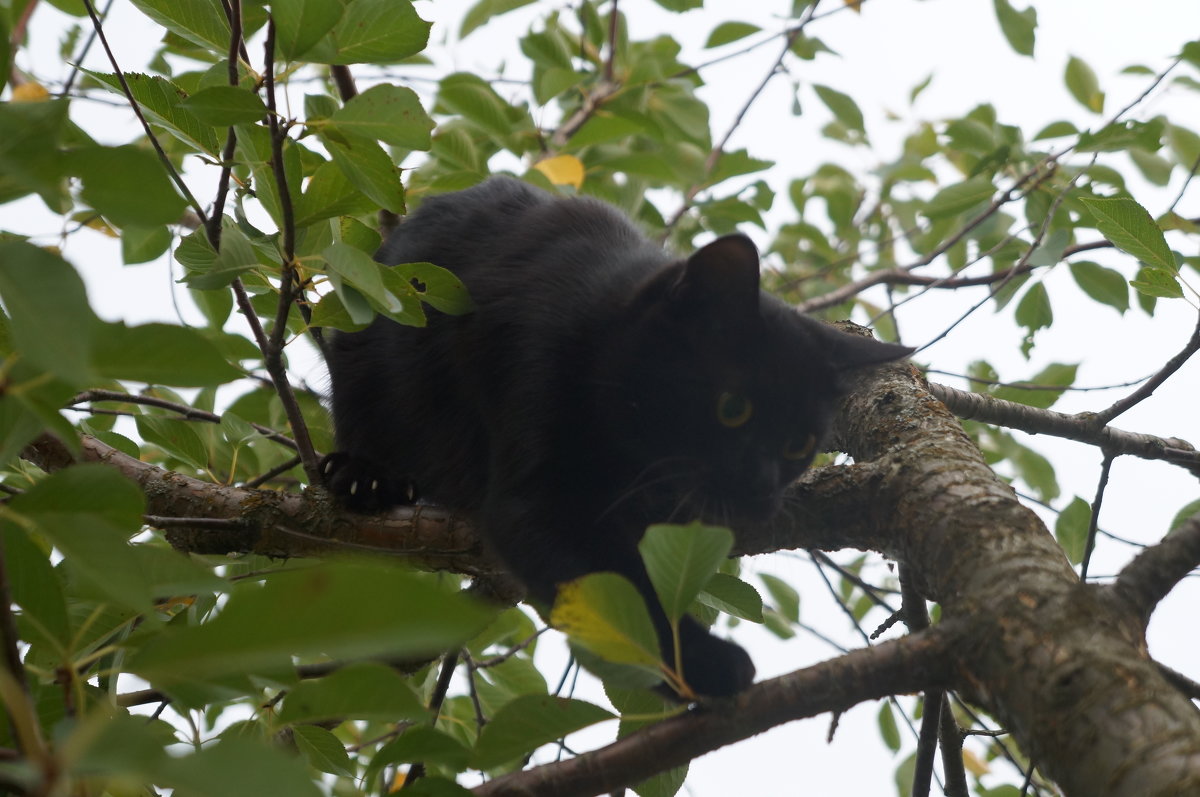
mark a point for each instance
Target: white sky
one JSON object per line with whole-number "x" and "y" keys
{"x": 884, "y": 52}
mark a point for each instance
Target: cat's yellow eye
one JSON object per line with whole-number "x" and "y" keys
{"x": 802, "y": 450}
{"x": 733, "y": 409}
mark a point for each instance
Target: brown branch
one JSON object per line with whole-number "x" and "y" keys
{"x": 894, "y": 667}
{"x": 282, "y": 525}
{"x": 1155, "y": 571}
{"x": 1081, "y": 428}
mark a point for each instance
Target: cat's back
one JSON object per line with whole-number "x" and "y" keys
{"x": 504, "y": 231}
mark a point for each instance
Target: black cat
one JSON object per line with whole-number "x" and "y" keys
{"x": 601, "y": 385}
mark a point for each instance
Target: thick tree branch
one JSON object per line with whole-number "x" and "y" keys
{"x": 1155, "y": 571}
{"x": 895, "y": 667}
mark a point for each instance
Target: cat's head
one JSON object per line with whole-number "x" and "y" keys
{"x": 724, "y": 393}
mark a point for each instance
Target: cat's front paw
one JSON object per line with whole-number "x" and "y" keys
{"x": 715, "y": 667}
{"x": 362, "y": 485}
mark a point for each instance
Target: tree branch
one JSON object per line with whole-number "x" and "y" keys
{"x": 894, "y": 667}
{"x": 1155, "y": 571}
{"x": 1082, "y": 427}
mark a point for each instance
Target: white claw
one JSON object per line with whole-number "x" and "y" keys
{"x": 353, "y": 488}
{"x": 328, "y": 467}
{"x": 374, "y": 485}
{"x": 411, "y": 492}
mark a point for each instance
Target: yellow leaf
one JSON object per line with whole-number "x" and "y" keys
{"x": 30, "y": 92}
{"x": 855, "y": 5}
{"x": 604, "y": 613}
{"x": 562, "y": 170}
{"x": 974, "y": 765}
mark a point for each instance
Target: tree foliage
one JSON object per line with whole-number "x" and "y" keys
{"x": 176, "y": 612}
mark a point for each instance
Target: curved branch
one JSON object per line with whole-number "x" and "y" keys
{"x": 1155, "y": 571}
{"x": 895, "y": 667}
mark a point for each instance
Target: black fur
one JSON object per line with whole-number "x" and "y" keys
{"x": 598, "y": 388}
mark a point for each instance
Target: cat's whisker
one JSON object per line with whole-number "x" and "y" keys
{"x": 641, "y": 485}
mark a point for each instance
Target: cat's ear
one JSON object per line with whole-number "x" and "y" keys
{"x": 846, "y": 352}
{"x": 725, "y": 272}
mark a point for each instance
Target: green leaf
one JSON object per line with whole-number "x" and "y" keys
{"x": 1157, "y": 282}
{"x": 358, "y": 269}
{"x": 238, "y": 766}
{"x": 787, "y": 600}
{"x": 1132, "y": 229}
{"x": 34, "y": 583}
{"x": 89, "y": 512}
{"x": 422, "y": 743}
{"x": 177, "y": 437}
{"x": 222, "y": 106}
{"x": 127, "y": 184}
{"x": 1053, "y": 375}
{"x": 479, "y": 14}
{"x": 530, "y": 721}
{"x": 359, "y": 691}
{"x": 887, "y": 727}
{"x": 30, "y": 158}
{"x": 731, "y": 595}
{"x": 330, "y": 193}
{"x": 337, "y": 609}
{"x": 323, "y": 751}
{"x": 844, "y": 108}
{"x": 143, "y": 244}
{"x": 1123, "y": 135}
{"x": 680, "y": 560}
{"x": 162, "y": 354}
{"x": 680, "y": 5}
{"x": 201, "y": 22}
{"x": 1071, "y": 529}
{"x": 1056, "y": 130}
{"x": 300, "y": 24}
{"x": 960, "y": 197}
{"x": 50, "y": 320}
{"x": 1084, "y": 87}
{"x": 1105, "y": 285}
{"x": 368, "y": 168}
{"x": 159, "y": 101}
{"x": 1184, "y": 514}
{"x": 1034, "y": 311}
{"x": 605, "y": 614}
{"x": 476, "y": 101}
{"x": 728, "y": 32}
{"x": 392, "y": 114}
{"x": 435, "y": 286}
{"x": 1156, "y": 169}
{"x": 1018, "y": 27}
{"x": 377, "y": 32}
{"x": 254, "y": 148}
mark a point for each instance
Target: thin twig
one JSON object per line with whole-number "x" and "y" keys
{"x": 1145, "y": 391}
{"x": 1093, "y": 522}
{"x": 841, "y": 604}
{"x": 190, "y": 413}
